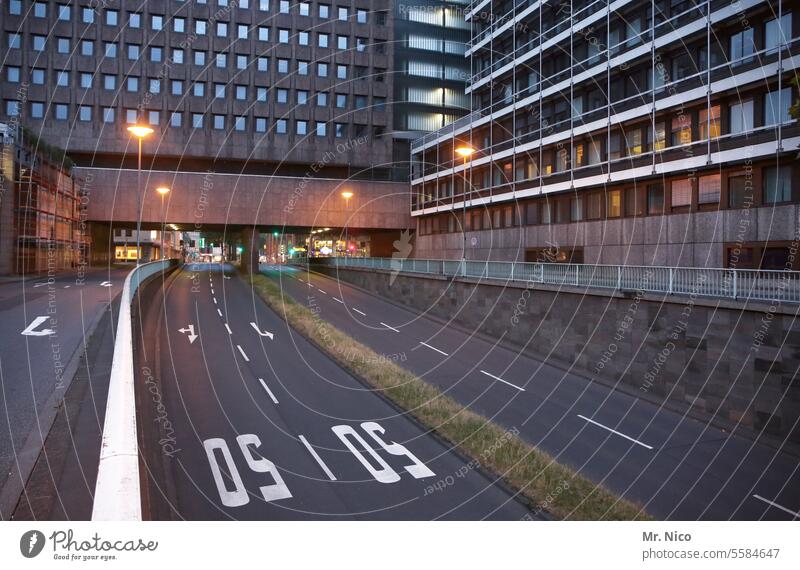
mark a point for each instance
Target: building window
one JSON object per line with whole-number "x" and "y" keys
{"x": 302, "y": 127}
{"x": 62, "y": 45}
{"x": 321, "y": 128}
{"x": 86, "y": 80}
{"x": 132, "y": 84}
{"x": 282, "y": 96}
{"x": 361, "y": 16}
{"x": 342, "y": 13}
{"x": 341, "y": 72}
{"x": 177, "y": 55}
{"x": 219, "y": 122}
{"x": 576, "y": 209}
{"x": 109, "y": 82}
{"x": 742, "y": 47}
{"x": 199, "y": 89}
{"x": 37, "y": 110}
{"x": 740, "y": 191}
{"x": 87, "y": 15}
{"x": 302, "y": 97}
{"x": 777, "y": 185}
{"x": 176, "y": 119}
{"x": 261, "y": 125}
{"x": 179, "y": 25}
{"x": 776, "y": 106}
{"x": 263, "y": 5}
{"x": 112, "y": 17}
{"x": 153, "y": 117}
{"x": 614, "y": 204}
{"x": 64, "y": 12}
{"x": 131, "y": 116}
{"x": 322, "y": 40}
{"x": 682, "y": 129}
{"x": 133, "y": 52}
{"x": 280, "y": 126}
{"x": 709, "y": 189}
{"x": 263, "y": 34}
{"x": 239, "y": 124}
{"x": 241, "y": 92}
{"x": 241, "y": 31}
{"x": 39, "y": 10}
{"x": 777, "y": 33}
{"x": 340, "y": 130}
{"x": 108, "y": 114}
{"x": 594, "y": 205}
{"x": 221, "y": 60}
{"x": 177, "y": 87}
{"x": 304, "y": 8}
{"x": 134, "y": 20}
{"x": 324, "y": 11}
{"x": 197, "y": 120}
{"x": 341, "y": 42}
{"x": 200, "y": 27}
{"x": 283, "y": 66}
{"x": 322, "y": 70}
{"x": 708, "y": 123}
{"x": 655, "y": 199}
{"x": 741, "y": 116}
{"x": 219, "y": 90}
{"x": 302, "y": 67}
{"x": 37, "y": 76}
{"x": 283, "y": 6}
{"x": 262, "y": 64}
{"x": 341, "y": 101}
{"x": 222, "y": 29}
{"x": 261, "y": 94}
{"x": 322, "y": 99}
{"x": 12, "y": 74}
{"x": 15, "y": 7}
{"x": 156, "y": 23}
{"x": 199, "y": 58}
{"x": 61, "y": 112}
{"x": 241, "y": 62}
{"x": 156, "y": 54}
{"x": 681, "y": 193}
{"x": 283, "y": 36}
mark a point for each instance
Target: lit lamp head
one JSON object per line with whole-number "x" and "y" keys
{"x": 465, "y": 151}
{"x": 347, "y": 194}
{"x": 140, "y": 131}
{"x": 162, "y": 190}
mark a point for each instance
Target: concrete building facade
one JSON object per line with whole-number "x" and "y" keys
{"x": 651, "y": 132}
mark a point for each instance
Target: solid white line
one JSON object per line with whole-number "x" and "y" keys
{"x": 215, "y": 300}
{"x": 314, "y": 454}
{"x": 636, "y": 441}
{"x": 338, "y": 300}
{"x": 503, "y": 381}
{"x": 242, "y": 353}
{"x": 229, "y": 328}
{"x": 388, "y": 327}
{"x": 219, "y": 312}
{"x": 271, "y": 395}
{"x": 777, "y": 506}
{"x": 359, "y": 312}
{"x": 433, "y": 348}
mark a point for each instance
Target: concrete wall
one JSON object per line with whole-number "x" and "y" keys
{"x": 690, "y": 240}
{"x": 727, "y": 361}
{"x": 229, "y": 199}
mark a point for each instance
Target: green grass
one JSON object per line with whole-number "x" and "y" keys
{"x": 548, "y": 485}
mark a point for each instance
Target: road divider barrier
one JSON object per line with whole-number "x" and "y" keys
{"x": 116, "y": 494}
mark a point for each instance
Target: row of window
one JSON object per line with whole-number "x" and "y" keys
{"x": 108, "y": 115}
{"x": 301, "y": 97}
{"x": 703, "y": 192}
{"x": 157, "y": 53}
{"x": 741, "y": 115}
{"x": 111, "y": 17}
{"x": 13, "y": 74}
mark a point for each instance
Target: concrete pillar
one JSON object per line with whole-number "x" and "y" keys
{"x": 250, "y": 241}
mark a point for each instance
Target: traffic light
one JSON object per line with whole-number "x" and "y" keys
{"x": 275, "y": 234}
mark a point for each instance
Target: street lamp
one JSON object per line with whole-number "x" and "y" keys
{"x": 346, "y": 195}
{"x": 139, "y": 131}
{"x": 466, "y": 151}
{"x": 163, "y": 191}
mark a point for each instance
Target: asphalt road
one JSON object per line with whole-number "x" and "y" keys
{"x": 44, "y": 325}
{"x": 269, "y": 428}
{"x": 674, "y": 466}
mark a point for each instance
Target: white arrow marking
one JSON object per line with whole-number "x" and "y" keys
{"x": 30, "y": 330}
{"x": 190, "y": 330}
{"x": 105, "y": 284}
{"x": 265, "y": 333}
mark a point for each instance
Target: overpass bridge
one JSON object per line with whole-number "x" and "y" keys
{"x": 246, "y": 204}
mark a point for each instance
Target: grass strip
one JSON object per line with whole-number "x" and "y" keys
{"x": 550, "y": 486}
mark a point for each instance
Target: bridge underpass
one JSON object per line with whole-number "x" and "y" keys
{"x": 244, "y": 206}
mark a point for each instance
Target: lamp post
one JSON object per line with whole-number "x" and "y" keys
{"x": 139, "y": 131}
{"x": 163, "y": 191}
{"x": 346, "y": 195}
{"x": 465, "y": 151}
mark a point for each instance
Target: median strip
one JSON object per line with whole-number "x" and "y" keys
{"x": 548, "y": 485}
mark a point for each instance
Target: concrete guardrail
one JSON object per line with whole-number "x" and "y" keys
{"x": 116, "y": 493}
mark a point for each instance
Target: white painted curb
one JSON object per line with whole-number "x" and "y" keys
{"x": 116, "y": 494}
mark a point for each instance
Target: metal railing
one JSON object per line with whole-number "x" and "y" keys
{"x": 741, "y": 284}
{"x": 116, "y": 493}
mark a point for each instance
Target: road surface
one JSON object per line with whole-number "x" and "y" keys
{"x": 44, "y": 324}
{"x": 675, "y": 466}
{"x": 254, "y": 422}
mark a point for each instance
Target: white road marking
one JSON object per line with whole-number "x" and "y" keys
{"x": 228, "y": 328}
{"x": 242, "y": 353}
{"x": 503, "y": 381}
{"x": 434, "y": 348}
{"x": 265, "y": 333}
{"x": 316, "y": 456}
{"x": 215, "y": 300}
{"x": 359, "y": 312}
{"x": 212, "y": 290}
{"x": 189, "y": 331}
{"x": 777, "y": 506}
{"x": 219, "y": 312}
{"x": 390, "y": 328}
{"x": 30, "y": 330}
{"x": 321, "y": 291}
{"x": 636, "y": 441}
{"x": 271, "y": 395}
{"x": 35, "y": 285}
{"x": 106, "y": 284}
{"x": 66, "y": 286}
{"x": 338, "y": 300}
